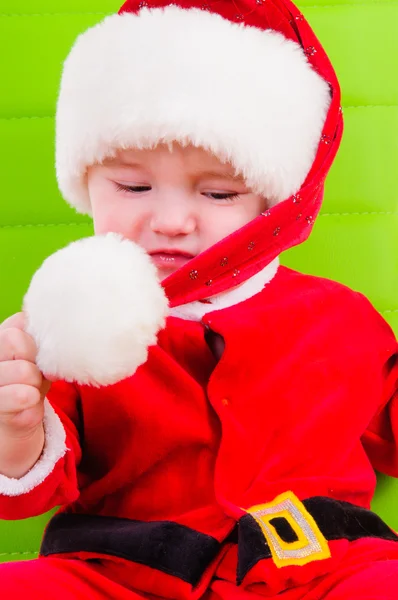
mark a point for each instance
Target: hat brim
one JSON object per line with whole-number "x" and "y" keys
{"x": 248, "y": 95}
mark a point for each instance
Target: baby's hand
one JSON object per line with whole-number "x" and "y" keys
{"x": 22, "y": 392}
{"x": 22, "y": 385}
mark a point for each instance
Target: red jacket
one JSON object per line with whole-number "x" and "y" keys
{"x": 301, "y": 400}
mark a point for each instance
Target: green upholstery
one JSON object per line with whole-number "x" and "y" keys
{"x": 355, "y": 240}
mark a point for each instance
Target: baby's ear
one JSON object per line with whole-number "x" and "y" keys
{"x": 93, "y": 309}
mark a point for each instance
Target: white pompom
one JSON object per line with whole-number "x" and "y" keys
{"x": 93, "y": 309}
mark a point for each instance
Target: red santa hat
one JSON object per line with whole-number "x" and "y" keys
{"x": 246, "y": 79}
{"x": 226, "y": 76}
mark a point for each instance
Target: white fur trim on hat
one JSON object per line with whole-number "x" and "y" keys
{"x": 54, "y": 449}
{"x": 93, "y": 309}
{"x": 135, "y": 80}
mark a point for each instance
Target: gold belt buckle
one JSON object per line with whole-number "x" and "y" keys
{"x": 309, "y": 543}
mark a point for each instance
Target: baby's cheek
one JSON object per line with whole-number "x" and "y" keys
{"x": 128, "y": 225}
{"x": 108, "y": 216}
{"x": 225, "y": 224}
{"x": 104, "y": 223}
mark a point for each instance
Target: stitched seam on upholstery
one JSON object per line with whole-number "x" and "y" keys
{"x": 85, "y": 223}
{"x": 55, "y": 14}
{"x": 365, "y": 2}
{"x": 345, "y": 107}
{"x": 304, "y": 8}
{"x": 45, "y": 225}
{"x": 18, "y": 553}
{"x": 350, "y": 106}
{"x": 32, "y": 118}
{"x": 359, "y": 214}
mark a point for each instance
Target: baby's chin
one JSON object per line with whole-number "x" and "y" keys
{"x": 164, "y": 274}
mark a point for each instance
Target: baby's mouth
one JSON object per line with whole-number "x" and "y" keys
{"x": 170, "y": 259}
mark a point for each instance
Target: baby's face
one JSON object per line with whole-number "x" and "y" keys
{"x": 175, "y": 203}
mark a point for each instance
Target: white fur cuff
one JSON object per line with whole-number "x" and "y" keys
{"x": 54, "y": 449}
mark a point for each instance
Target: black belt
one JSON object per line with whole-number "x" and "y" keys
{"x": 186, "y": 553}
{"x": 163, "y": 545}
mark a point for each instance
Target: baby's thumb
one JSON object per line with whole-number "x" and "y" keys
{"x": 18, "y": 321}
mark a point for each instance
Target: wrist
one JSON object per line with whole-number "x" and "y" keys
{"x": 19, "y": 451}
{"x": 15, "y": 433}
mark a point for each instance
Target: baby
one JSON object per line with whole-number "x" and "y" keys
{"x": 239, "y": 460}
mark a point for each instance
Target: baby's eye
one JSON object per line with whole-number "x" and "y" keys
{"x": 222, "y": 195}
{"x": 134, "y": 189}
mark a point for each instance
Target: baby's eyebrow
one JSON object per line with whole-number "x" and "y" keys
{"x": 196, "y": 175}
{"x": 117, "y": 162}
{"x": 217, "y": 175}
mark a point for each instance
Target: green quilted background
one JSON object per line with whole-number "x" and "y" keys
{"x": 355, "y": 240}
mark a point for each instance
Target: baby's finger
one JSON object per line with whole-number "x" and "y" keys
{"x": 17, "y": 398}
{"x": 15, "y": 344}
{"x": 17, "y": 321}
{"x": 20, "y": 371}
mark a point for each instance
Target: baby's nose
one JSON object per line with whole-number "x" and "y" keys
{"x": 173, "y": 219}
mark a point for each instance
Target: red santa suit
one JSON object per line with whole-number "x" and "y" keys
{"x": 239, "y": 459}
